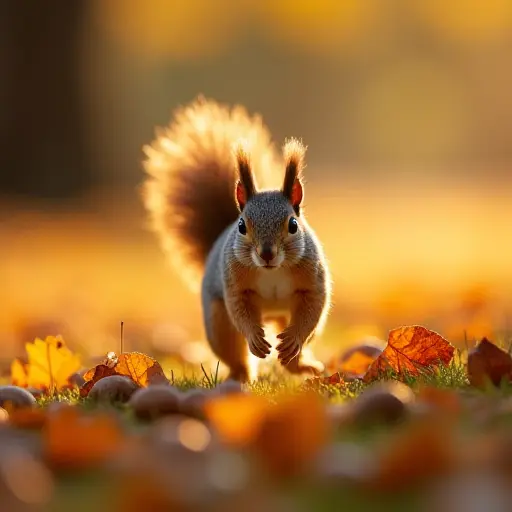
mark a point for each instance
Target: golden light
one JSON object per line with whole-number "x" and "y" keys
{"x": 320, "y": 26}
{"x": 170, "y": 28}
{"x": 228, "y": 472}
{"x": 466, "y": 20}
{"x": 194, "y": 435}
{"x": 412, "y": 109}
{"x": 27, "y": 478}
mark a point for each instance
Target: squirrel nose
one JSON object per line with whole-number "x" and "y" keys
{"x": 266, "y": 253}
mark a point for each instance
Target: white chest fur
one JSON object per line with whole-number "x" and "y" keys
{"x": 274, "y": 286}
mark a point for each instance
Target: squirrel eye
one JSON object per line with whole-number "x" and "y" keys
{"x": 242, "y": 227}
{"x": 293, "y": 226}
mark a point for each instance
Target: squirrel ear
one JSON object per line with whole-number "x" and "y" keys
{"x": 245, "y": 187}
{"x": 297, "y": 194}
{"x": 240, "y": 195}
{"x": 293, "y": 189}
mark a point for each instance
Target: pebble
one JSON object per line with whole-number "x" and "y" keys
{"x": 16, "y": 396}
{"x": 114, "y": 388}
{"x": 384, "y": 403}
{"x": 155, "y": 401}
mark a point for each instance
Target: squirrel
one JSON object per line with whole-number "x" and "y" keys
{"x": 261, "y": 260}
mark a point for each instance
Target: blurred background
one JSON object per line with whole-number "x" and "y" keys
{"x": 405, "y": 106}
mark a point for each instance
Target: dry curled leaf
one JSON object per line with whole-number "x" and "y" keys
{"x": 50, "y": 364}
{"x": 356, "y": 360}
{"x": 487, "y": 362}
{"x": 336, "y": 379}
{"x": 142, "y": 369}
{"x": 409, "y": 350}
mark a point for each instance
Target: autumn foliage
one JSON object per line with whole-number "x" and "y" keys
{"x": 50, "y": 365}
{"x": 227, "y": 444}
{"x": 410, "y": 350}
{"x": 138, "y": 367}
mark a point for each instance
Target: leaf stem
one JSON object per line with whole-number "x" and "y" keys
{"x": 50, "y": 371}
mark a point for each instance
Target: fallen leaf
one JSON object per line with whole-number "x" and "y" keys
{"x": 139, "y": 367}
{"x": 336, "y": 379}
{"x": 28, "y": 417}
{"x": 50, "y": 364}
{"x": 356, "y": 360}
{"x": 236, "y": 417}
{"x": 73, "y": 439}
{"x": 292, "y": 433}
{"x": 421, "y": 451}
{"x": 409, "y": 350}
{"x": 487, "y": 362}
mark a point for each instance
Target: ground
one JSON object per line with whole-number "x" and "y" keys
{"x": 399, "y": 442}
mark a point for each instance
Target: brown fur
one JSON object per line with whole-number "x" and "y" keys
{"x": 192, "y": 172}
{"x": 227, "y": 343}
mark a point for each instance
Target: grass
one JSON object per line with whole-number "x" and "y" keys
{"x": 86, "y": 490}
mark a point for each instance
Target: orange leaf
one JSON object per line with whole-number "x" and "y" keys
{"x": 75, "y": 440}
{"x": 28, "y": 417}
{"x": 410, "y": 349}
{"x": 487, "y": 362}
{"x": 236, "y": 417}
{"x": 336, "y": 379}
{"x": 141, "y": 368}
{"x": 422, "y": 451}
{"x": 292, "y": 433}
{"x": 357, "y": 360}
{"x": 50, "y": 364}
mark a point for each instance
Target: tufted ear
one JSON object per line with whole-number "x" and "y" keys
{"x": 293, "y": 188}
{"x": 245, "y": 187}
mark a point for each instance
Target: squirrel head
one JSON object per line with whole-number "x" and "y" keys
{"x": 270, "y": 232}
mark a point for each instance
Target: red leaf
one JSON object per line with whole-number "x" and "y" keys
{"x": 410, "y": 349}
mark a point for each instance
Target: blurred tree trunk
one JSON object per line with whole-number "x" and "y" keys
{"x": 42, "y": 143}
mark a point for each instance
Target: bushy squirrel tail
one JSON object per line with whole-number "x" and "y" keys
{"x": 189, "y": 191}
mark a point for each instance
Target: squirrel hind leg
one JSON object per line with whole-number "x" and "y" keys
{"x": 226, "y": 342}
{"x": 305, "y": 364}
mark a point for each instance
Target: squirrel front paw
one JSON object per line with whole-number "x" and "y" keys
{"x": 258, "y": 345}
{"x": 290, "y": 346}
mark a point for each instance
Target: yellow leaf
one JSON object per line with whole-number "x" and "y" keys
{"x": 50, "y": 363}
